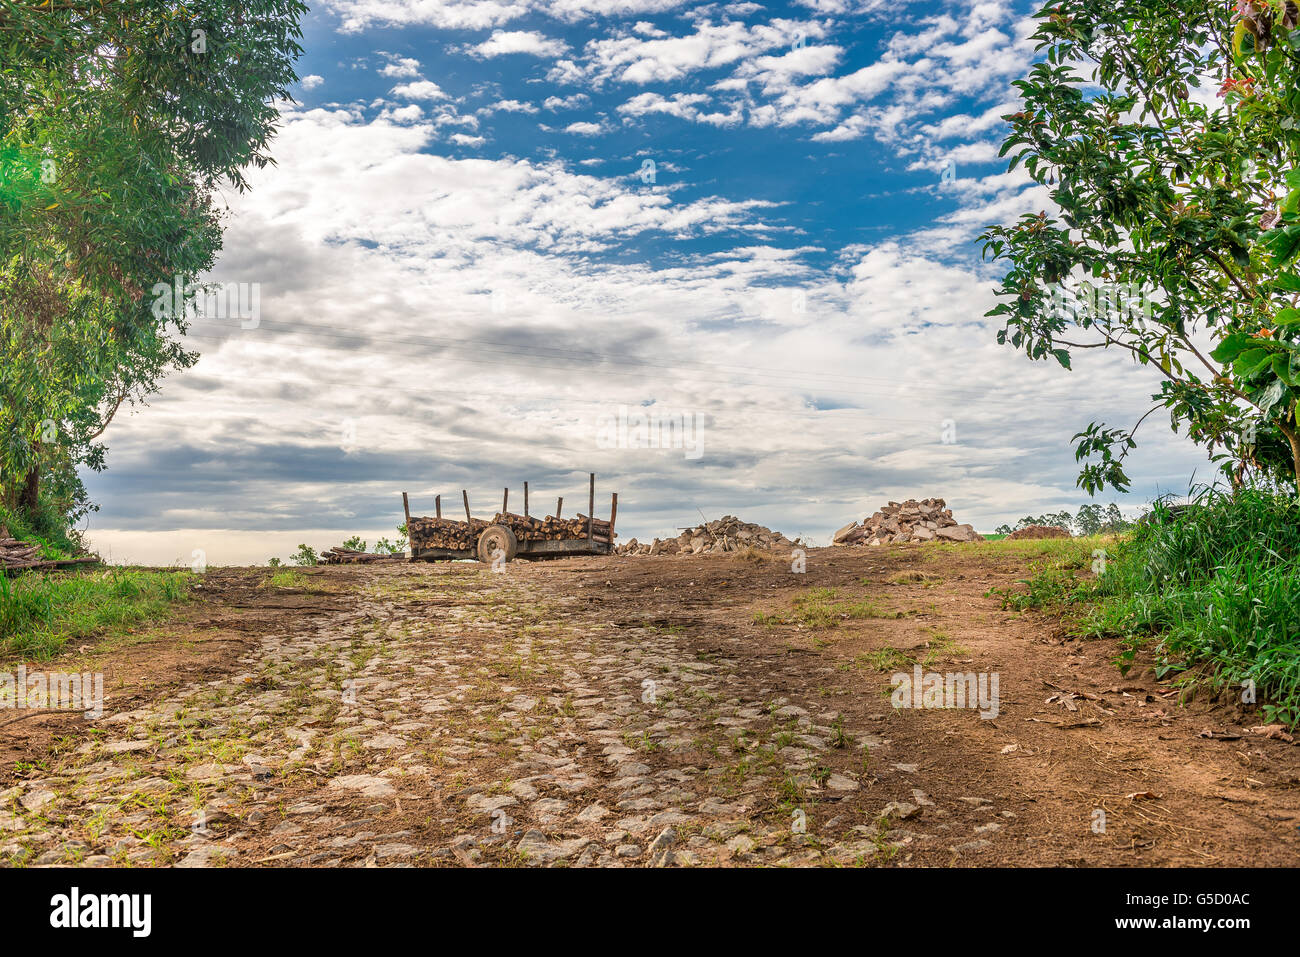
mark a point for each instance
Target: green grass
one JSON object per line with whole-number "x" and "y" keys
{"x": 45, "y": 528}
{"x": 41, "y": 613}
{"x": 1213, "y": 592}
{"x": 822, "y": 608}
{"x": 289, "y": 579}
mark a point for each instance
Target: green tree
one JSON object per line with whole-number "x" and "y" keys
{"x": 118, "y": 122}
{"x": 1179, "y": 218}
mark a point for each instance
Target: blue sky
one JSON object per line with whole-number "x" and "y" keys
{"x": 465, "y": 266}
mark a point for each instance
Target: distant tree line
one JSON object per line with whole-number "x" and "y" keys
{"x": 1091, "y": 519}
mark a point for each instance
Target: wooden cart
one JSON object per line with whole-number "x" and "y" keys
{"x": 497, "y": 541}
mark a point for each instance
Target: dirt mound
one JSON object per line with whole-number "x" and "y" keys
{"x": 1038, "y": 531}
{"x": 911, "y": 521}
{"x": 727, "y": 534}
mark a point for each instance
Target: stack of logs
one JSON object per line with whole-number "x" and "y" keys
{"x": 443, "y": 533}
{"x": 550, "y": 528}
{"x": 16, "y": 555}
{"x": 427, "y": 532}
{"x": 338, "y": 555}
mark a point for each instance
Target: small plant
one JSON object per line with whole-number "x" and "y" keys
{"x": 838, "y": 738}
{"x": 305, "y": 555}
{"x": 286, "y": 579}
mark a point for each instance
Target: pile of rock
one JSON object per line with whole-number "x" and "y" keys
{"x": 925, "y": 521}
{"x": 1039, "y": 531}
{"x": 727, "y": 534}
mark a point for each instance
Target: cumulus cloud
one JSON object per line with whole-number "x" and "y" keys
{"x": 444, "y": 290}
{"x": 572, "y": 102}
{"x": 419, "y": 90}
{"x": 585, "y": 128}
{"x": 504, "y": 42}
{"x": 400, "y": 68}
{"x": 833, "y": 386}
{"x": 509, "y": 106}
{"x": 358, "y": 15}
{"x": 632, "y": 57}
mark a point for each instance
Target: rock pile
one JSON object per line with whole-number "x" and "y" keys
{"x": 1038, "y": 531}
{"x": 727, "y": 534}
{"x": 911, "y": 521}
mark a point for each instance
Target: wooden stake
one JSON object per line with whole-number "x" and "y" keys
{"x": 591, "y": 509}
{"x": 505, "y": 502}
{"x": 613, "y": 513}
{"x": 406, "y": 510}
{"x": 466, "y": 494}
{"x": 437, "y": 504}
{"x": 559, "y": 506}
{"x": 525, "y": 500}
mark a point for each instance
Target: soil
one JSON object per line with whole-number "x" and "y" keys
{"x": 633, "y": 711}
{"x": 1038, "y": 531}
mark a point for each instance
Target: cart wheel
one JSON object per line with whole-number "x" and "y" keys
{"x": 497, "y": 538}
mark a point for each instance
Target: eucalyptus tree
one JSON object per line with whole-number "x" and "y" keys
{"x": 119, "y": 126}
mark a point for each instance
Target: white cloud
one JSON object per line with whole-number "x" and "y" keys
{"x": 965, "y": 125}
{"x": 403, "y": 114}
{"x": 419, "y": 90}
{"x": 685, "y": 106}
{"x": 631, "y": 58}
{"x": 504, "y": 42}
{"x": 509, "y": 106}
{"x": 887, "y": 349}
{"x": 311, "y": 81}
{"x": 400, "y": 68}
{"x": 358, "y": 15}
{"x": 559, "y": 294}
{"x": 682, "y": 105}
{"x": 574, "y": 102}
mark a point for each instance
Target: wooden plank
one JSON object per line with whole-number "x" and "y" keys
{"x": 466, "y": 494}
{"x": 591, "y": 508}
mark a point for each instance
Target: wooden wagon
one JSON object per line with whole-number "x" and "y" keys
{"x": 508, "y": 535}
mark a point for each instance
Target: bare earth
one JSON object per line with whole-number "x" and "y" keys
{"x": 633, "y": 712}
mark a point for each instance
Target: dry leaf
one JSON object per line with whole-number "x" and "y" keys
{"x": 1275, "y": 731}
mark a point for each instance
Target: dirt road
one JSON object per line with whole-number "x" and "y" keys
{"x": 632, "y": 712}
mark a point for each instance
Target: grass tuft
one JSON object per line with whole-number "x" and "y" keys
{"x": 41, "y": 613}
{"x": 1213, "y": 590}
